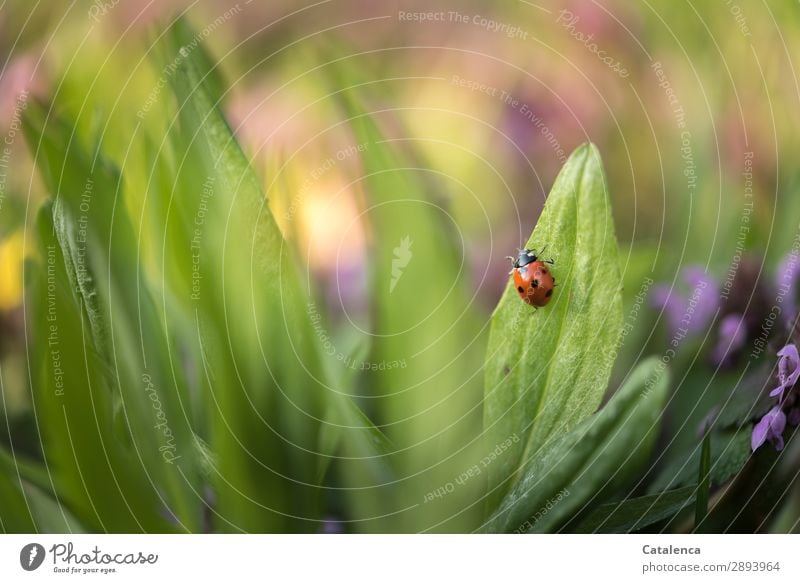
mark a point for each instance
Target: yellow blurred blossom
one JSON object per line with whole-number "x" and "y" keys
{"x": 11, "y": 271}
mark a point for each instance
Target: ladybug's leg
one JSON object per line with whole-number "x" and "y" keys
{"x": 550, "y": 261}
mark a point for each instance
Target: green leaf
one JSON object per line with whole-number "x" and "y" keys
{"x": 548, "y": 369}
{"x": 578, "y": 464}
{"x": 425, "y": 337}
{"x": 99, "y": 253}
{"x": 636, "y": 513}
{"x": 261, "y": 377}
{"x": 27, "y": 469}
{"x": 703, "y": 481}
{"x": 730, "y": 451}
{"x": 347, "y": 427}
{"x": 50, "y": 515}
{"x": 99, "y": 479}
{"x": 15, "y": 513}
{"x": 28, "y": 503}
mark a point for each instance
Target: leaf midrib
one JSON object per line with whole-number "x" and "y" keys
{"x": 558, "y": 344}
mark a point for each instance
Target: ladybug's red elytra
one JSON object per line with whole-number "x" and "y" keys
{"x": 533, "y": 280}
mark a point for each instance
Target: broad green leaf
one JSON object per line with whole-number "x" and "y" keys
{"x": 637, "y": 513}
{"x": 264, "y": 387}
{"x": 101, "y": 259}
{"x": 99, "y": 250}
{"x": 99, "y": 479}
{"x": 586, "y": 459}
{"x": 749, "y": 400}
{"x": 547, "y": 369}
{"x": 249, "y": 314}
{"x": 730, "y": 450}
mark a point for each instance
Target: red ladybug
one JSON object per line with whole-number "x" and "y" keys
{"x": 532, "y": 278}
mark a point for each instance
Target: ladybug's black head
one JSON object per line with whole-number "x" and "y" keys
{"x": 525, "y": 257}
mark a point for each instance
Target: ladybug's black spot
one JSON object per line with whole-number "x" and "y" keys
{"x": 520, "y": 290}
{"x": 535, "y": 283}
{"x": 549, "y": 293}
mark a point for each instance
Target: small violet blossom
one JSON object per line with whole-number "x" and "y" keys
{"x": 788, "y": 370}
{"x": 690, "y": 313}
{"x": 771, "y": 426}
{"x": 732, "y": 337}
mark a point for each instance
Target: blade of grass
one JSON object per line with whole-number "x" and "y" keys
{"x": 703, "y": 482}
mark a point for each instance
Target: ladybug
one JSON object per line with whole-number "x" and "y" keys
{"x": 533, "y": 280}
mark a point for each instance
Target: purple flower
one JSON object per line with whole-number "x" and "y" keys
{"x": 769, "y": 428}
{"x": 732, "y": 336}
{"x": 788, "y": 370}
{"x": 690, "y": 313}
{"x": 331, "y": 526}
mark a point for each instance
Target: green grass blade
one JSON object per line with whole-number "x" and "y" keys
{"x": 703, "y": 482}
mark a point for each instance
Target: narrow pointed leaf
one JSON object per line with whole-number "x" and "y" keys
{"x": 547, "y": 369}
{"x": 637, "y": 513}
{"x": 703, "y": 482}
{"x": 586, "y": 459}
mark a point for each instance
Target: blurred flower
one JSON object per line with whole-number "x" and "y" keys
{"x": 17, "y": 80}
{"x": 331, "y": 526}
{"x": 11, "y": 258}
{"x": 137, "y": 12}
{"x": 732, "y": 335}
{"x": 771, "y": 426}
{"x": 690, "y": 313}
